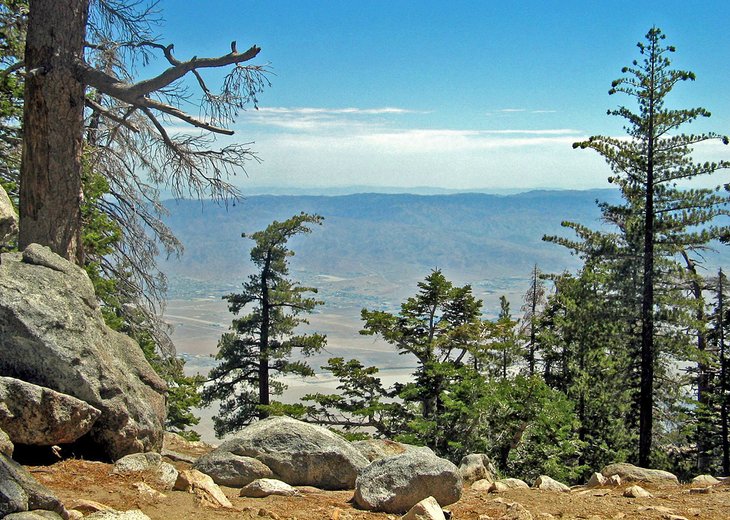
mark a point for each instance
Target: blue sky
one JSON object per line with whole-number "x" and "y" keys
{"x": 450, "y": 94}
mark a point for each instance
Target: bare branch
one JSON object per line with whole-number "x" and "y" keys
{"x": 103, "y": 111}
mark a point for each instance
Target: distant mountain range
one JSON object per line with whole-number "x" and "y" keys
{"x": 385, "y": 243}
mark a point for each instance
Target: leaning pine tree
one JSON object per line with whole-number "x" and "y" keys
{"x": 665, "y": 219}
{"x": 262, "y": 341}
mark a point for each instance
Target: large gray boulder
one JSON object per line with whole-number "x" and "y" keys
{"x": 52, "y": 334}
{"x": 229, "y": 469}
{"x": 298, "y": 453}
{"x": 396, "y": 484}
{"x": 32, "y": 414}
{"x": 477, "y": 466}
{"x": 19, "y": 491}
{"x": 374, "y": 449}
{"x": 631, "y": 473}
{"x": 8, "y": 219}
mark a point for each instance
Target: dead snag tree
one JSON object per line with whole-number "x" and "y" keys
{"x": 59, "y": 71}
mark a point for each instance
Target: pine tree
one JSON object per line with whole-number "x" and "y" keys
{"x": 647, "y": 168}
{"x": 717, "y": 406}
{"x": 501, "y": 342}
{"x": 441, "y": 326}
{"x": 535, "y": 299}
{"x": 263, "y": 341}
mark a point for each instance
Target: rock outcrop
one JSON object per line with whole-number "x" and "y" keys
{"x": 19, "y": 491}
{"x": 395, "y": 484}
{"x": 32, "y": 414}
{"x": 631, "y": 473}
{"x": 298, "y": 453}
{"x": 52, "y": 334}
{"x": 8, "y": 219}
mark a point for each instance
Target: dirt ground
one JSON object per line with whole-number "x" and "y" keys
{"x": 79, "y": 479}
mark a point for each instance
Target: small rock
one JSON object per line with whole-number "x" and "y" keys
{"x": 263, "y": 487}
{"x": 516, "y": 511}
{"x": 477, "y": 466}
{"x": 631, "y": 473}
{"x": 426, "y": 509}
{"x": 498, "y": 487}
{"x": 514, "y": 483}
{"x": 700, "y": 491}
{"x": 482, "y": 485}
{"x": 37, "y": 514}
{"x": 207, "y": 492}
{"x": 658, "y": 509}
{"x": 614, "y": 480}
{"x": 89, "y": 506}
{"x": 264, "y": 513}
{"x": 674, "y": 517}
{"x": 133, "y": 514}
{"x": 148, "y": 493}
{"x": 75, "y": 514}
{"x": 637, "y": 492}
{"x": 549, "y": 484}
{"x": 597, "y": 480}
{"x": 705, "y": 480}
{"x": 163, "y": 472}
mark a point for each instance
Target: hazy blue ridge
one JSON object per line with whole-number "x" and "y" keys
{"x": 397, "y": 238}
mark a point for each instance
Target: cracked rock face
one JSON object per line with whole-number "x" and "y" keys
{"x": 395, "y": 484}
{"x": 297, "y": 453}
{"x": 8, "y": 219}
{"x": 52, "y": 334}
{"x": 19, "y": 491}
{"x": 32, "y": 414}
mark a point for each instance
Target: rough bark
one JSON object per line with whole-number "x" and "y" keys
{"x": 50, "y": 193}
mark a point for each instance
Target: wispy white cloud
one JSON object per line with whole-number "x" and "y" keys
{"x": 334, "y": 111}
{"x": 429, "y": 141}
{"x": 309, "y": 119}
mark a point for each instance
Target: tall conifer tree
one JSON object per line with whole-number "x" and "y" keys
{"x": 263, "y": 341}
{"x": 647, "y": 168}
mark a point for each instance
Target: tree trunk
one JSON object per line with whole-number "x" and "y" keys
{"x": 264, "y": 340}
{"x": 723, "y": 378}
{"x": 646, "y": 396}
{"x": 50, "y": 186}
{"x": 704, "y": 455}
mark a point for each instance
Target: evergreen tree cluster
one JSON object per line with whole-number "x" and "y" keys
{"x": 625, "y": 360}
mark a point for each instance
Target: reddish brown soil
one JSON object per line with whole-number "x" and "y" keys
{"x": 78, "y": 479}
